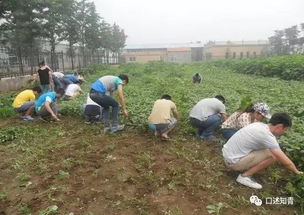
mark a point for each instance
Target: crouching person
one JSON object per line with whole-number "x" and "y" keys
{"x": 24, "y": 103}
{"x": 46, "y": 104}
{"x": 92, "y": 111}
{"x": 254, "y": 147}
{"x": 163, "y": 117}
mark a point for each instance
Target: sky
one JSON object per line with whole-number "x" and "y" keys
{"x": 181, "y": 21}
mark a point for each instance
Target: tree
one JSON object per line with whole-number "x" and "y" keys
{"x": 277, "y": 43}
{"x": 291, "y": 35}
{"x": 118, "y": 40}
{"x": 70, "y": 28}
{"x": 20, "y": 26}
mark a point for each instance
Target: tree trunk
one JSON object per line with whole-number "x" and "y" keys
{"x": 20, "y": 60}
{"x": 71, "y": 54}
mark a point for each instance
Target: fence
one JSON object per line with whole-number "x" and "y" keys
{"x": 12, "y": 66}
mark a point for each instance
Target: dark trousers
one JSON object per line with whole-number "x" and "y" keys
{"x": 106, "y": 102}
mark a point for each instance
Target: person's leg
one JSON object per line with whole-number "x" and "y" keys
{"x": 169, "y": 128}
{"x": 228, "y": 132}
{"x": 209, "y": 126}
{"x": 198, "y": 124}
{"x": 251, "y": 164}
{"x": 99, "y": 99}
{"x": 26, "y": 110}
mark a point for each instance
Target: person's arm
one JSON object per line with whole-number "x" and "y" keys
{"x": 224, "y": 117}
{"x": 283, "y": 159}
{"x": 175, "y": 113}
{"x": 122, "y": 99}
{"x": 49, "y": 109}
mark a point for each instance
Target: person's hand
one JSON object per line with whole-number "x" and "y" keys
{"x": 125, "y": 112}
{"x": 299, "y": 172}
{"x": 55, "y": 118}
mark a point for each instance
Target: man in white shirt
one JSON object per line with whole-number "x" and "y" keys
{"x": 72, "y": 90}
{"x": 207, "y": 115}
{"x": 255, "y": 147}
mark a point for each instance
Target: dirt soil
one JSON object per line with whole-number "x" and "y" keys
{"x": 85, "y": 172}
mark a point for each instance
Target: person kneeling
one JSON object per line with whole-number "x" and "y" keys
{"x": 255, "y": 147}
{"x": 46, "y": 104}
{"x": 160, "y": 119}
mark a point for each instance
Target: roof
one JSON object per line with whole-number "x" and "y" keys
{"x": 179, "y": 49}
{"x": 224, "y": 43}
{"x": 165, "y": 46}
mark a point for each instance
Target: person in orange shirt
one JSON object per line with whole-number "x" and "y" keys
{"x": 24, "y": 102}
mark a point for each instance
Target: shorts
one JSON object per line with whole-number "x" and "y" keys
{"x": 252, "y": 159}
{"x": 24, "y": 107}
{"x": 163, "y": 126}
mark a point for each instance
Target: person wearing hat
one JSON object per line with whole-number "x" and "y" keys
{"x": 255, "y": 147}
{"x": 240, "y": 119}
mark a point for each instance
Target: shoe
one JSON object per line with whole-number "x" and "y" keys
{"x": 28, "y": 118}
{"x": 107, "y": 129}
{"x": 88, "y": 122}
{"x": 248, "y": 181}
{"x": 117, "y": 128}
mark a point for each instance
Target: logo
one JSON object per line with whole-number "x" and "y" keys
{"x": 255, "y": 200}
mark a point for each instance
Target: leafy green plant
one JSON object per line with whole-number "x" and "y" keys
{"x": 215, "y": 208}
{"x": 51, "y": 210}
{"x": 63, "y": 174}
{"x": 3, "y": 195}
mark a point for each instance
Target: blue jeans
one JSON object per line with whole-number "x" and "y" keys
{"x": 228, "y": 132}
{"x": 207, "y": 127}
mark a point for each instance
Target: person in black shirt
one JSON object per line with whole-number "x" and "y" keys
{"x": 45, "y": 77}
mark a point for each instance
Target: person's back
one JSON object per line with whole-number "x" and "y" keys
{"x": 72, "y": 90}
{"x": 255, "y": 136}
{"x": 161, "y": 111}
{"x": 44, "y": 75}
{"x": 207, "y": 107}
{"x": 49, "y": 96}
{"x": 196, "y": 78}
{"x": 24, "y": 96}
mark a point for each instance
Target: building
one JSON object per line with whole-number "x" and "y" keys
{"x": 235, "y": 49}
{"x": 177, "y": 53}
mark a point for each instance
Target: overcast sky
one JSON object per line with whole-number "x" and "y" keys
{"x": 175, "y": 21}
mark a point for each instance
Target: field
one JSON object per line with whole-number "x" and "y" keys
{"x": 73, "y": 168}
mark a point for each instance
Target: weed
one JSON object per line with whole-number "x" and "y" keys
{"x": 216, "y": 208}
{"x": 52, "y": 210}
{"x": 25, "y": 210}
{"x": 3, "y": 195}
{"x": 63, "y": 174}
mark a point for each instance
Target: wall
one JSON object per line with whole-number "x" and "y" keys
{"x": 220, "y": 52}
{"x": 15, "y": 83}
{"x": 145, "y": 56}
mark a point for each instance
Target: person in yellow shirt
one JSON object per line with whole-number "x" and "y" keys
{"x": 24, "y": 102}
{"x": 163, "y": 117}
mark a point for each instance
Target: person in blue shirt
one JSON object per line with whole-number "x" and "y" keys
{"x": 46, "y": 105}
{"x": 101, "y": 92}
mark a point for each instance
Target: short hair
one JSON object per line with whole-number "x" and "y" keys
{"x": 124, "y": 78}
{"x": 221, "y": 98}
{"x": 41, "y": 63}
{"x": 281, "y": 118}
{"x": 37, "y": 89}
{"x": 166, "y": 96}
{"x": 60, "y": 91}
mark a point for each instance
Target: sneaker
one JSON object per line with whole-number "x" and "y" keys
{"x": 107, "y": 129}
{"x": 88, "y": 122}
{"x": 117, "y": 128}
{"x": 28, "y": 118}
{"x": 248, "y": 181}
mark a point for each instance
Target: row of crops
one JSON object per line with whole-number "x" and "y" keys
{"x": 148, "y": 82}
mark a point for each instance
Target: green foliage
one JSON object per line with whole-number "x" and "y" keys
{"x": 289, "y": 67}
{"x": 3, "y": 195}
{"x": 52, "y": 210}
{"x": 63, "y": 174}
{"x": 216, "y": 208}
{"x": 295, "y": 188}
{"x": 11, "y": 133}
{"x": 25, "y": 210}
{"x": 6, "y": 109}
